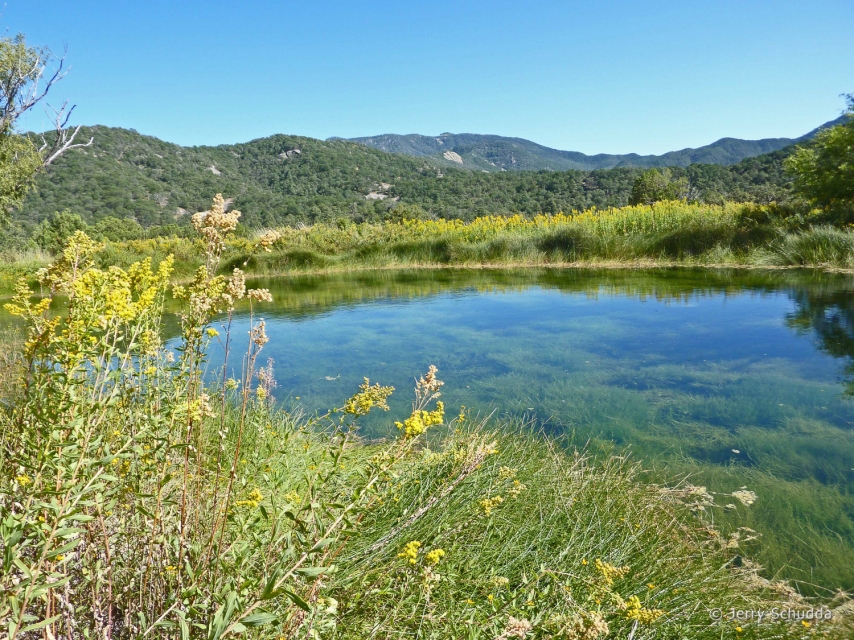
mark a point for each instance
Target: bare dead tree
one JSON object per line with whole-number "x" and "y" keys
{"x": 63, "y": 138}
{"x": 25, "y": 80}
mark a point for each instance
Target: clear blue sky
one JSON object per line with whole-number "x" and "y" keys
{"x": 593, "y": 76}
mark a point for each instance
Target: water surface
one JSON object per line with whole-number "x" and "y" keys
{"x": 737, "y": 378}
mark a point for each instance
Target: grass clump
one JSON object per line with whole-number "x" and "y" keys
{"x": 138, "y": 500}
{"x": 817, "y": 246}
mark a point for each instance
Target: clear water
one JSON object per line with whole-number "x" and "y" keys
{"x": 729, "y": 378}
{"x": 736, "y": 378}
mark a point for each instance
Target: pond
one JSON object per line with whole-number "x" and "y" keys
{"x": 727, "y": 379}
{"x": 735, "y": 379}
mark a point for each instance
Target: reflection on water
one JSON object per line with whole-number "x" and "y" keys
{"x": 827, "y": 313}
{"x": 724, "y": 375}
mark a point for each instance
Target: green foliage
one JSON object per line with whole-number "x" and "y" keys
{"x": 116, "y": 230}
{"x": 52, "y": 234}
{"x": 818, "y": 246}
{"x": 159, "y": 185}
{"x": 406, "y": 212}
{"x": 20, "y": 67}
{"x": 824, "y": 170}
{"x": 19, "y": 164}
{"x": 656, "y": 185}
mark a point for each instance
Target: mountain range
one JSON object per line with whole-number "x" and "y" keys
{"x": 499, "y": 153}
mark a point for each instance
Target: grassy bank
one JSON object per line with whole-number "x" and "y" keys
{"x": 137, "y": 500}
{"x": 668, "y": 233}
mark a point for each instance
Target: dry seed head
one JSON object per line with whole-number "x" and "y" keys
{"x": 260, "y": 295}
{"x": 258, "y": 334}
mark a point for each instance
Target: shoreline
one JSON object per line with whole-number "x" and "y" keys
{"x": 605, "y": 264}
{"x": 638, "y": 265}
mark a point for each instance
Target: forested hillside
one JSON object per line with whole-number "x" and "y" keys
{"x": 289, "y": 179}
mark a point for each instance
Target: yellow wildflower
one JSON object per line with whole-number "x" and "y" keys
{"x": 368, "y": 397}
{"x": 488, "y": 504}
{"x": 636, "y": 611}
{"x": 433, "y": 557}
{"x": 410, "y": 551}
{"x": 254, "y": 498}
{"x": 516, "y": 489}
{"x": 505, "y": 473}
{"x": 610, "y": 572}
{"x": 420, "y": 421}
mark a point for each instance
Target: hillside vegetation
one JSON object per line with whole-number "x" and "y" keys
{"x": 157, "y": 185}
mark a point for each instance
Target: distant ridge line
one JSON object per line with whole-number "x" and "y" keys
{"x": 501, "y": 153}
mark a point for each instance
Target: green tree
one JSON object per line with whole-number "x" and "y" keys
{"x": 51, "y": 234}
{"x": 406, "y": 211}
{"x": 116, "y": 230}
{"x": 824, "y": 170}
{"x": 25, "y": 79}
{"x": 655, "y": 185}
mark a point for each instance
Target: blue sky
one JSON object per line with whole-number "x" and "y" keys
{"x": 598, "y": 77}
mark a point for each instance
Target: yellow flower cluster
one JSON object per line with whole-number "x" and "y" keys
{"x": 252, "y": 501}
{"x": 610, "y": 572}
{"x": 660, "y": 216}
{"x": 368, "y": 397}
{"x": 636, "y": 611}
{"x": 488, "y": 504}
{"x": 516, "y": 489}
{"x": 23, "y": 480}
{"x": 433, "y": 557}
{"x": 420, "y": 421}
{"x": 410, "y": 551}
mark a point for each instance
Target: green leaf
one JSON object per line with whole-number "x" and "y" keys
{"x": 311, "y": 572}
{"x": 81, "y": 517}
{"x": 40, "y": 625}
{"x": 259, "y": 619}
{"x": 302, "y": 604}
{"x": 270, "y": 588}
{"x": 321, "y": 544}
{"x": 65, "y": 548}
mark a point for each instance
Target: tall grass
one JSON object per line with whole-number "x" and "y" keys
{"x": 662, "y": 233}
{"x": 138, "y": 501}
{"x": 821, "y": 246}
